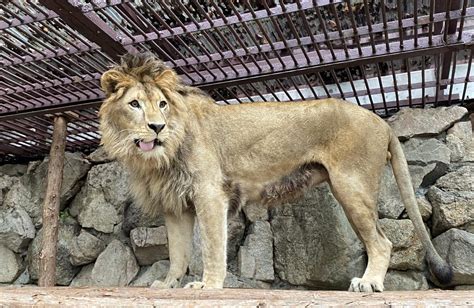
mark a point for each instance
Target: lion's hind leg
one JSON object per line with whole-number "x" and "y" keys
{"x": 359, "y": 200}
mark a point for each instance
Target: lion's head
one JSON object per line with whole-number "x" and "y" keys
{"x": 143, "y": 115}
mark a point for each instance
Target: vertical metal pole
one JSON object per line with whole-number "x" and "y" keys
{"x": 449, "y": 28}
{"x": 47, "y": 270}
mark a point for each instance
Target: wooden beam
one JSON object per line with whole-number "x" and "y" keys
{"x": 47, "y": 270}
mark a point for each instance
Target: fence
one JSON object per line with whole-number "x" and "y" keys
{"x": 381, "y": 54}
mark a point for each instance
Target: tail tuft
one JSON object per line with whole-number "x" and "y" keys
{"x": 441, "y": 270}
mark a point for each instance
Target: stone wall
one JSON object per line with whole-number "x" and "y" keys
{"x": 307, "y": 244}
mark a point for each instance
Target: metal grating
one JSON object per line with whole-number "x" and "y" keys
{"x": 381, "y": 54}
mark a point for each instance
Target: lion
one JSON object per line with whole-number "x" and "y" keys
{"x": 190, "y": 158}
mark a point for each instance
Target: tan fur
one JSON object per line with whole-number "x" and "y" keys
{"x": 212, "y": 155}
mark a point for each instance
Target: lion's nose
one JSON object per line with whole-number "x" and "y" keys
{"x": 156, "y": 127}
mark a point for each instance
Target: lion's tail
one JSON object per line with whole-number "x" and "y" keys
{"x": 438, "y": 267}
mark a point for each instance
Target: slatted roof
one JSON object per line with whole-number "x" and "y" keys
{"x": 381, "y": 54}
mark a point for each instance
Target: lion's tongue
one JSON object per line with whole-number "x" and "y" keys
{"x": 146, "y": 146}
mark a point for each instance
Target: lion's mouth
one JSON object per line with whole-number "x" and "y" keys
{"x": 147, "y": 145}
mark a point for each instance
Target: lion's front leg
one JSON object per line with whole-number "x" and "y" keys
{"x": 211, "y": 212}
{"x": 180, "y": 236}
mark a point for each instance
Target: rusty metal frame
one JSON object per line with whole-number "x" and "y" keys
{"x": 379, "y": 55}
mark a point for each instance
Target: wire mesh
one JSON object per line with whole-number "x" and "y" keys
{"x": 380, "y": 54}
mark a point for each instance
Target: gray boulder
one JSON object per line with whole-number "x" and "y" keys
{"x": 235, "y": 282}
{"x": 408, "y": 122}
{"x": 254, "y": 212}
{"x": 457, "y": 247}
{"x": 423, "y": 152}
{"x": 6, "y": 182}
{"x": 13, "y": 170}
{"x": 16, "y": 229}
{"x": 100, "y": 203}
{"x": 10, "y": 265}
{"x": 149, "y": 244}
{"x": 149, "y": 274}
{"x": 405, "y": 281}
{"x": 24, "y": 278}
{"x": 458, "y": 140}
{"x": 314, "y": 244}
{"x": 99, "y": 156}
{"x": 116, "y": 266}
{"x": 97, "y": 213}
{"x": 452, "y": 198}
{"x": 83, "y": 278}
{"x": 389, "y": 203}
{"x": 85, "y": 248}
{"x": 407, "y": 251}
{"x": 256, "y": 255}
{"x": 134, "y": 217}
{"x": 425, "y": 207}
{"x": 65, "y": 271}
{"x": 28, "y": 193}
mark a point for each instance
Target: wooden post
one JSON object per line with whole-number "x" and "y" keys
{"x": 47, "y": 269}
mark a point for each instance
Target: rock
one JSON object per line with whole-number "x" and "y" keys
{"x": 407, "y": 251}
{"x": 314, "y": 244}
{"x": 149, "y": 244}
{"x": 423, "y": 152}
{"x": 97, "y": 213}
{"x": 6, "y": 182}
{"x": 16, "y": 229}
{"x": 85, "y": 248}
{"x": 116, "y": 266}
{"x": 28, "y": 193}
{"x": 389, "y": 203}
{"x": 10, "y": 265}
{"x": 425, "y": 207}
{"x": 256, "y": 255}
{"x": 255, "y": 212}
{"x": 235, "y": 234}
{"x": 13, "y": 170}
{"x": 149, "y": 274}
{"x": 24, "y": 278}
{"x": 235, "y": 282}
{"x": 405, "y": 281}
{"x": 83, "y": 278}
{"x": 452, "y": 198}
{"x": 458, "y": 140}
{"x": 99, "y": 156}
{"x": 100, "y": 203}
{"x": 465, "y": 287}
{"x": 65, "y": 271}
{"x": 457, "y": 247}
{"x": 469, "y": 155}
{"x": 408, "y": 122}
{"x": 134, "y": 218}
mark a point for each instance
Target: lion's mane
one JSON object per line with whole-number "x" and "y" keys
{"x": 168, "y": 174}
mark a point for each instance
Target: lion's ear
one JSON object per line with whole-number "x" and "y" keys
{"x": 109, "y": 81}
{"x": 168, "y": 79}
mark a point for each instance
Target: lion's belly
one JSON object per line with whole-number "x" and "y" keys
{"x": 281, "y": 186}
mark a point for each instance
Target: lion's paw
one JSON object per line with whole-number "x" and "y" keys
{"x": 158, "y": 284}
{"x": 195, "y": 285}
{"x": 364, "y": 285}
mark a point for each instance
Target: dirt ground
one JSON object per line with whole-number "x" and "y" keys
{"x": 13, "y": 296}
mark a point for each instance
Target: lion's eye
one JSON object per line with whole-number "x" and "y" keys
{"x": 134, "y": 104}
{"x": 163, "y": 104}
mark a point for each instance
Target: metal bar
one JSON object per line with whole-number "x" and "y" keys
{"x": 16, "y": 20}
{"x": 90, "y": 25}
{"x": 231, "y": 20}
{"x": 467, "y": 79}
